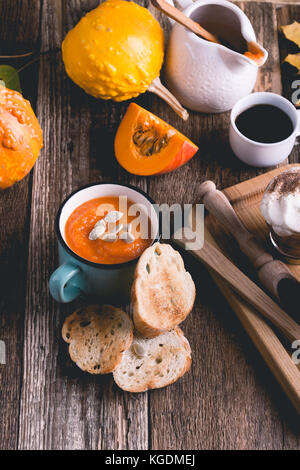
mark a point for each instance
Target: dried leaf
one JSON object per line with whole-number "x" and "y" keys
{"x": 292, "y": 32}
{"x": 294, "y": 60}
{"x": 9, "y": 75}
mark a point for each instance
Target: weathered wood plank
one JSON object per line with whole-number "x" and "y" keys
{"x": 14, "y": 227}
{"x": 222, "y": 402}
{"x": 23, "y": 38}
{"x": 61, "y": 407}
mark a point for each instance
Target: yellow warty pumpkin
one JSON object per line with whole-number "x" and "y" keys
{"x": 115, "y": 51}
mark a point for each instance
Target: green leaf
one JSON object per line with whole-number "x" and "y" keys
{"x": 10, "y": 77}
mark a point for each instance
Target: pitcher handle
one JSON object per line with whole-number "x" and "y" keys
{"x": 181, "y": 5}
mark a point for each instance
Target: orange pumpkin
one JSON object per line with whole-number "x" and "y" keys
{"x": 21, "y": 137}
{"x": 147, "y": 145}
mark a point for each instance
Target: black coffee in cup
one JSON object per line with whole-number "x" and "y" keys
{"x": 264, "y": 123}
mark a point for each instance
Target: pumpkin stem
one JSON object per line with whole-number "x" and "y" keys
{"x": 16, "y": 56}
{"x": 157, "y": 87}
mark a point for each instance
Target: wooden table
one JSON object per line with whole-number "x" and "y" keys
{"x": 229, "y": 400}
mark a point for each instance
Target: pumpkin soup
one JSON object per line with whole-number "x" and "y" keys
{"x": 108, "y": 230}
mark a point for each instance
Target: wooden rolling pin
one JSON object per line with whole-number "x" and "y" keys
{"x": 240, "y": 283}
{"x": 270, "y": 272}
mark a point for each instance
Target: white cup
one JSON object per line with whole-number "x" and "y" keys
{"x": 256, "y": 153}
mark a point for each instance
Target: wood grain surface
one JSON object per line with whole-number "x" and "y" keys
{"x": 15, "y": 206}
{"x": 229, "y": 399}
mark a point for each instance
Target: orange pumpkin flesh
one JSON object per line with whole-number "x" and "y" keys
{"x": 147, "y": 145}
{"x": 20, "y": 137}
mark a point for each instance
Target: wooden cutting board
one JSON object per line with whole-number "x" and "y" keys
{"x": 245, "y": 199}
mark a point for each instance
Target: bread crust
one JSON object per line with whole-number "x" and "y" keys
{"x": 154, "y": 381}
{"x": 163, "y": 292}
{"x": 98, "y": 336}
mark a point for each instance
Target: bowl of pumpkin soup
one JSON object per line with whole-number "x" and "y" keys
{"x": 102, "y": 230}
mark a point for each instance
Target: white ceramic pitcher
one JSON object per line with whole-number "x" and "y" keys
{"x": 206, "y": 76}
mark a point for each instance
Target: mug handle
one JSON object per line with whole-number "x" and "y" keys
{"x": 298, "y": 127}
{"x": 60, "y": 286}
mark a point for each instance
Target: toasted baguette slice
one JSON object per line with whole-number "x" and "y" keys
{"x": 98, "y": 335}
{"x": 154, "y": 362}
{"x": 163, "y": 292}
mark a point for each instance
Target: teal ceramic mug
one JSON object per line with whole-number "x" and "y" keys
{"x": 76, "y": 275}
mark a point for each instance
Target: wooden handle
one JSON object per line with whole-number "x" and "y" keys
{"x": 270, "y": 272}
{"x": 178, "y": 16}
{"x": 247, "y": 289}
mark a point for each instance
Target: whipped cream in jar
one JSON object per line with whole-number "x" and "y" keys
{"x": 280, "y": 207}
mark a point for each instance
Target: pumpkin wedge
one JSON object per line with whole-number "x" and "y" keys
{"x": 147, "y": 145}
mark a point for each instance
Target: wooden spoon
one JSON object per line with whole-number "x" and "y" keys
{"x": 245, "y": 287}
{"x": 178, "y": 16}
